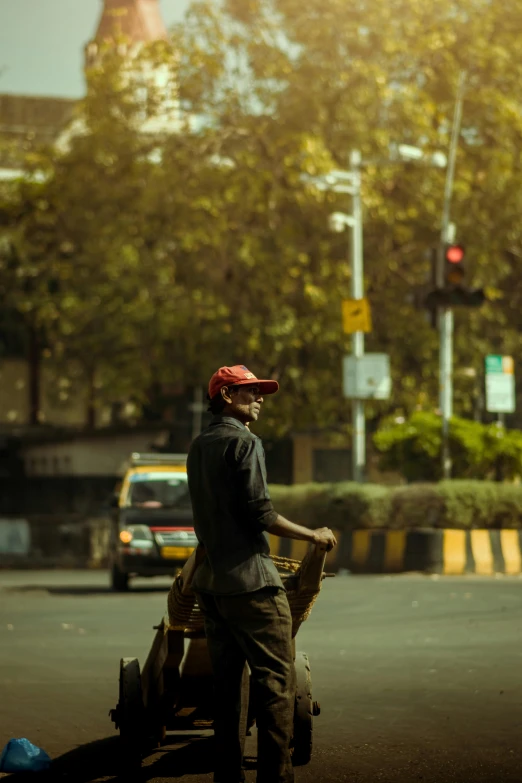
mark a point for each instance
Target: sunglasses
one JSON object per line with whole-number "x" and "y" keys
{"x": 255, "y": 391}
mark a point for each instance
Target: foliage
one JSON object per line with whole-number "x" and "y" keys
{"x": 153, "y": 258}
{"x": 386, "y": 72}
{"x": 413, "y": 448}
{"x": 461, "y": 504}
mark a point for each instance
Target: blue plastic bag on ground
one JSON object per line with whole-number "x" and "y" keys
{"x": 20, "y": 755}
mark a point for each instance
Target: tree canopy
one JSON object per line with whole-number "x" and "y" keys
{"x": 155, "y": 258}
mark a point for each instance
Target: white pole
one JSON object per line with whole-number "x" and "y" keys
{"x": 446, "y": 314}
{"x": 358, "y": 420}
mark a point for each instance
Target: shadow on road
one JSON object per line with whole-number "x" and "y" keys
{"x": 101, "y": 760}
{"x": 84, "y": 590}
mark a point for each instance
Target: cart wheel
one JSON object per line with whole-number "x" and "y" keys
{"x": 303, "y": 712}
{"x": 131, "y": 714}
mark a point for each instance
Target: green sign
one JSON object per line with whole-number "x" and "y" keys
{"x": 500, "y": 384}
{"x": 494, "y": 363}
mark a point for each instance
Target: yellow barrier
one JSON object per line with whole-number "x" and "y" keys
{"x": 510, "y": 544}
{"x": 360, "y": 547}
{"x": 454, "y": 551}
{"x": 394, "y": 550}
{"x": 482, "y": 553}
{"x": 449, "y": 552}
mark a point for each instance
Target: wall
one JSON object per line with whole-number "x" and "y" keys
{"x": 14, "y": 391}
{"x": 63, "y": 400}
{"x": 56, "y": 541}
{"x": 55, "y": 495}
{"x": 319, "y": 458}
{"x": 101, "y": 455}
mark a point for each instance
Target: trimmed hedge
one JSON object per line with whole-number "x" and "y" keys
{"x": 448, "y": 504}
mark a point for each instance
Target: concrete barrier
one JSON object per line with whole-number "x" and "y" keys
{"x": 72, "y": 541}
{"x": 451, "y": 552}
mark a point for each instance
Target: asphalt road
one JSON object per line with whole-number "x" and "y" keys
{"x": 419, "y": 678}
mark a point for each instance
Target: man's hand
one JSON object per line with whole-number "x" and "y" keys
{"x": 324, "y": 536}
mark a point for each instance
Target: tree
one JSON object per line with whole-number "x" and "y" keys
{"x": 87, "y": 259}
{"x": 156, "y": 259}
{"x": 479, "y": 451}
{"x": 380, "y": 72}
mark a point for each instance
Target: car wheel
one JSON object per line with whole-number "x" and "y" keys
{"x": 119, "y": 579}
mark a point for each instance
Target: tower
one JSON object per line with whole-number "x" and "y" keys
{"x": 133, "y": 25}
{"x": 139, "y": 21}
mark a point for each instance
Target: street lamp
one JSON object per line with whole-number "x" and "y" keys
{"x": 338, "y": 221}
{"x": 406, "y": 153}
{"x": 339, "y": 181}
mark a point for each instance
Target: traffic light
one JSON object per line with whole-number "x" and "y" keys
{"x": 456, "y": 296}
{"x": 453, "y": 265}
{"x": 454, "y": 292}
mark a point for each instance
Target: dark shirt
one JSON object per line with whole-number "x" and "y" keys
{"x": 232, "y": 509}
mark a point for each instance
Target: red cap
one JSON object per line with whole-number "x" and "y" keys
{"x": 239, "y": 375}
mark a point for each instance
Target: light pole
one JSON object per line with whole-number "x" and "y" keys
{"x": 350, "y": 182}
{"x": 358, "y": 419}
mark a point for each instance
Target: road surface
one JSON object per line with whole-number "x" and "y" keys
{"x": 419, "y": 678}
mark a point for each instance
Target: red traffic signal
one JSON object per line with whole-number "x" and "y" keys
{"x": 454, "y": 254}
{"x": 454, "y": 266}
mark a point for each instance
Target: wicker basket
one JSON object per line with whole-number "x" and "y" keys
{"x": 185, "y": 615}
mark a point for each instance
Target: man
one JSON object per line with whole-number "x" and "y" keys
{"x": 247, "y": 617}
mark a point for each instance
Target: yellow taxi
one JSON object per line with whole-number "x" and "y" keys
{"x": 152, "y": 530}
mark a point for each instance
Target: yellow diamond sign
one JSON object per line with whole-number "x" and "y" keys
{"x": 357, "y": 316}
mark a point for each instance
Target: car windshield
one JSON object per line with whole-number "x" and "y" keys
{"x": 159, "y": 490}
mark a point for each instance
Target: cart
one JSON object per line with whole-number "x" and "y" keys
{"x": 174, "y": 690}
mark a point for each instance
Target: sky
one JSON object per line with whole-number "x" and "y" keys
{"x": 41, "y": 43}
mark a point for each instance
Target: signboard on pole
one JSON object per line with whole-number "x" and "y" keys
{"x": 500, "y": 384}
{"x": 367, "y": 377}
{"x": 356, "y": 316}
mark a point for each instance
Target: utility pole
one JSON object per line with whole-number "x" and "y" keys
{"x": 358, "y": 420}
{"x": 446, "y": 313}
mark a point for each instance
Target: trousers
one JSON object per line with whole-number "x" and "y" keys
{"x": 255, "y": 628}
